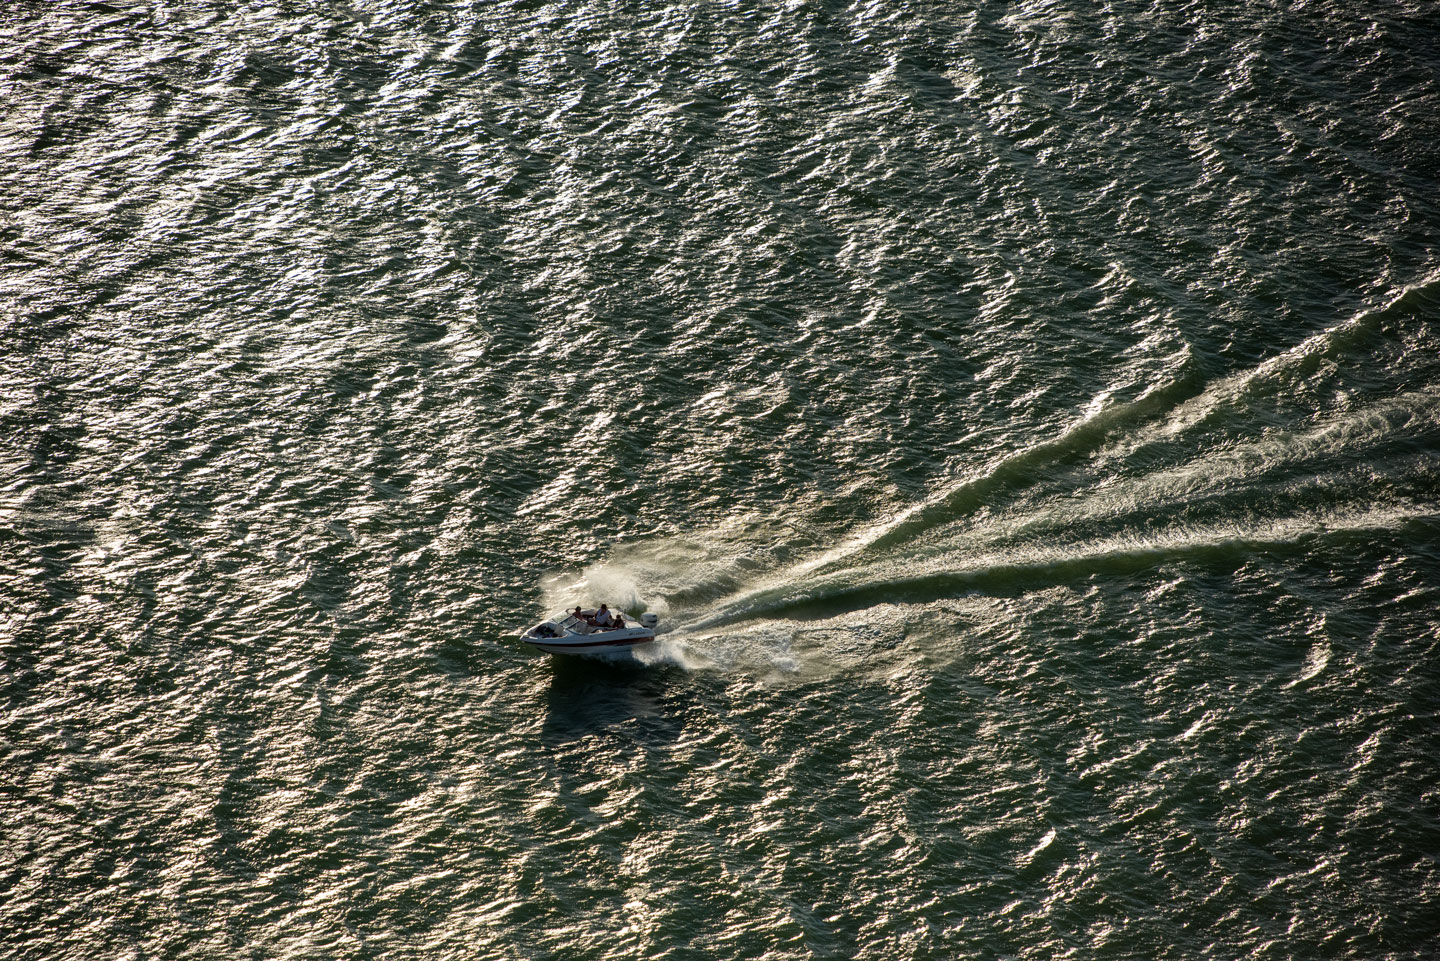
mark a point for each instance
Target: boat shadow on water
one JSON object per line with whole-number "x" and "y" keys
{"x": 621, "y": 698}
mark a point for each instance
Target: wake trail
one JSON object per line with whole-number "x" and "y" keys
{"x": 1253, "y": 488}
{"x": 1219, "y": 546}
{"x": 1159, "y": 415}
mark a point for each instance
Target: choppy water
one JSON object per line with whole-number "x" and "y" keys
{"x": 1025, "y": 417}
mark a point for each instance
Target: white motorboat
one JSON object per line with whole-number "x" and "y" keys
{"x": 567, "y": 634}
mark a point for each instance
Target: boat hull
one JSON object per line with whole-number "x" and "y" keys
{"x": 599, "y": 644}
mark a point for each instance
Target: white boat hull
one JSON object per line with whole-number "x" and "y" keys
{"x": 567, "y": 635}
{"x": 602, "y": 643}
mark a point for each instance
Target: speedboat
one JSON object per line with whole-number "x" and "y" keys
{"x": 567, "y": 634}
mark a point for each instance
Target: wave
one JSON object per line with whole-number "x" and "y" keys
{"x": 1015, "y": 470}
{"x": 1033, "y": 567}
{"x": 1291, "y": 367}
{"x": 1119, "y": 492}
{"x": 1169, "y": 409}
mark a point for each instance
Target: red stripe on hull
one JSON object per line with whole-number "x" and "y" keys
{"x": 551, "y": 643}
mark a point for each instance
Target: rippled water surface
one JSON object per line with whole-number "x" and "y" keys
{"x": 1024, "y": 418}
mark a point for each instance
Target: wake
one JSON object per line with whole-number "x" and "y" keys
{"x": 1164, "y": 414}
{"x": 1005, "y": 572}
{"x": 1187, "y": 473}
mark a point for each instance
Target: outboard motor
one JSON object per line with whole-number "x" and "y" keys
{"x": 649, "y": 620}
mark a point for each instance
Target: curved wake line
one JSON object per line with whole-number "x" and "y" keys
{"x": 1184, "y": 398}
{"x": 1220, "y": 546}
{"x": 879, "y": 564}
{"x": 974, "y": 492}
{"x": 1300, "y": 360}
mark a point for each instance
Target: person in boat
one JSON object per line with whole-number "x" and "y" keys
{"x": 602, "y": 617}
{"x": 582, "y": 623}
{"x": 619, "y": 621}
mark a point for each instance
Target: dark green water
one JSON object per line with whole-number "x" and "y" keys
{"x": 1023, "y": 416}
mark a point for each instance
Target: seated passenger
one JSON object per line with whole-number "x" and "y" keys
{"x": 619, "y": 621}
{"x": 602, "y": 616}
